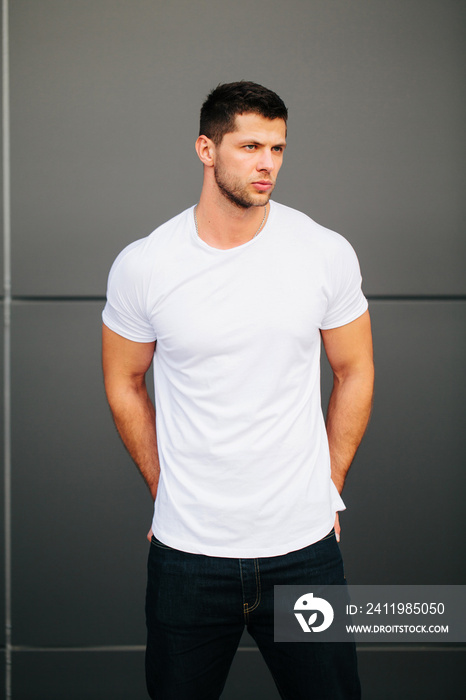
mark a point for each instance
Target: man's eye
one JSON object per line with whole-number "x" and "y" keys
{"x": 250, "y": 147}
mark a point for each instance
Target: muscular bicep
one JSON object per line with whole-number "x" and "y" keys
{"x": 349, "y": 348}
{"x": 124, "y": 360}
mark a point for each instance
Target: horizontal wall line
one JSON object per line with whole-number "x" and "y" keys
{"x": 141, "y": 648}
{"x": 416, "y": 297}
{"x": 40, "y": 299}
{"x": 78, "y": 650}
{"x": 56, "y": 299}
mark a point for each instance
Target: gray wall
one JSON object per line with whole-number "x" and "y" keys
{"x": 104, "y": 99}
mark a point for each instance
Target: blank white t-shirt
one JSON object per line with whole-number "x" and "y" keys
{"x": 245, "y": 469}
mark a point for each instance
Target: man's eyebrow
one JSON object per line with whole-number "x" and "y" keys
{"x": 255, "y": 142}
{"x": 250, "y": 140}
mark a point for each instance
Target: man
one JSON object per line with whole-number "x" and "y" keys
{"x": 234, "y": 296}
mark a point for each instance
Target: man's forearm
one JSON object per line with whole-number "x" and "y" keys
{"x": 125, "y": 364}
{"x": 134, "y": 416}
{"x": 347, "y": 418}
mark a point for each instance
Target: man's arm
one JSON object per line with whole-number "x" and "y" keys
{"x": 125, "y": 364}
{"x": 349, "y": 352}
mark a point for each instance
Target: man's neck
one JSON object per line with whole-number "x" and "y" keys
{"x": 225, "y": 225}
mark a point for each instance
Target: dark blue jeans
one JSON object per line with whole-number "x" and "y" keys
{"x": 196, "y": 611}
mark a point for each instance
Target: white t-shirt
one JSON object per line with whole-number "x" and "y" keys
{"x": 245, "y": 469}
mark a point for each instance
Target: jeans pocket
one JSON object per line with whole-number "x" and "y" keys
{"x": 160, "y": 544}
{"x": 329, "y": 536}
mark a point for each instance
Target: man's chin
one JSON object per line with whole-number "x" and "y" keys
{"x": 246, "y": 200}
{"x": 250, "y": 203}
{"x": 260, "y": 199}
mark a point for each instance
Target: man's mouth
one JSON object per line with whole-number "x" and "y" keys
{"x": 263, "y": 185}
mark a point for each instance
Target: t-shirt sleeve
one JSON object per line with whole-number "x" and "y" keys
{"x": 125, "y": 312}
{"x": 346, "y": 301}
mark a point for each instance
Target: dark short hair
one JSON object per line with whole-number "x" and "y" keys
{"x": 226, "y": 101}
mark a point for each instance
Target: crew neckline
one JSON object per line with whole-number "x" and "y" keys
{"x": 222, "y": 251}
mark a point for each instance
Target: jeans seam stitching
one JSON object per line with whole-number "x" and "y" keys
{"x": 245, "y": 605}
{"x": 258, "y": 586}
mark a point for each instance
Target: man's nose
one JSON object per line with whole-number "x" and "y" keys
{"x": 265, "y": 161}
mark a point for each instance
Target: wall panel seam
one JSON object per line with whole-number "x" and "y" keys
{"x": 31, "y": 299}
{"x": 7, "y": 337}
{"x": 141, "y": 648}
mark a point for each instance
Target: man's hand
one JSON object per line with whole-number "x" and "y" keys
{"x": 337, "y": 527}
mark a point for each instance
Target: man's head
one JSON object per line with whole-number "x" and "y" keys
{"x": 226, "y": 102}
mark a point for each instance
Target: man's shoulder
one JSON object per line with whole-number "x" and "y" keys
{"x": 163, "y": 232}
{"x": 183, "y": 220}
{"x": 287, "y": 213}
{"x": 143, "y": 250}
{"x": 307, "y": 229}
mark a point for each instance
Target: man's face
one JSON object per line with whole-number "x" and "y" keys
{"x": 248, "y": 159}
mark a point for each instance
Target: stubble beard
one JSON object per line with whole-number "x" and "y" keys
{"x": 236, "y": 193}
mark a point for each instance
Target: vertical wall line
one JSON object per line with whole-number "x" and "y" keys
{"x": 7, "y": 334}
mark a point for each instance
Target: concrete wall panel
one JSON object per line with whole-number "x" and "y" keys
{"x": 80, "y": 510}
{"x": 104, "y": 107}
{"x": 404, "y": 494}
{"x": 105, "y": 101}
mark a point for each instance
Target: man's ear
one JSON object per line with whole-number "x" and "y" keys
{"x": 205, "y": 149}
